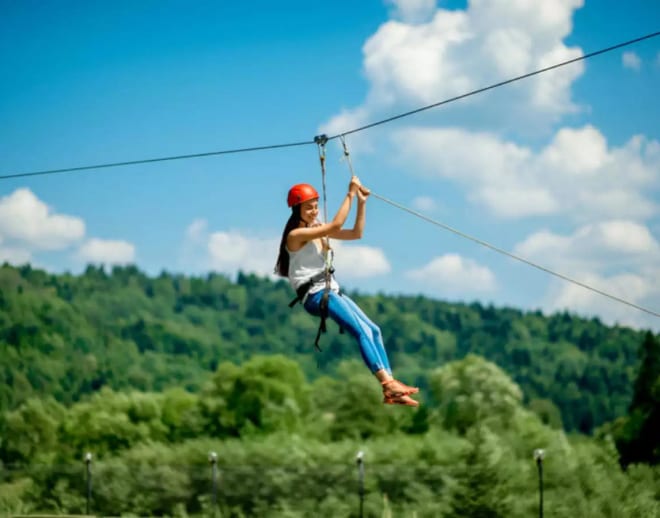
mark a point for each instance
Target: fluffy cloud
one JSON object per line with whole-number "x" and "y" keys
{"x": 617, "y": 257}
{"x": 231, "y": 251}
{"x": 639, "y": 289}
{"x": 631, "y": 60}
{"x": 607, "y": 252}
{"x": 14, "y": 255}
{"x": 197, "y": 231}
{"x": 358, "y": 261}
{"x": 594, "y": 246}
{"x": 100, "y": 251}
{"x": 32, "y": 225}
{"x": 29, "y": 226}
{"x": 454, "y": 52}
{"x": 412, "y": 11}
{"x": 454, "y": 274}
{"x": 576, "y": 174}
{"x": 424, "y": 203}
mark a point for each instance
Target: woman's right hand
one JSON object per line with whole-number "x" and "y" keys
{"x": 355, "y": 185}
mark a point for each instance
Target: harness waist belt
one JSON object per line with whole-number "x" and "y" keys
{"x": 305, "y": 287}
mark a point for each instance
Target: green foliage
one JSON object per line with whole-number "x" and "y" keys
{"x": 481, "y": 490}
{"x": 547, "y": 411}
{"x": 638, "y": 434}
{"x": 263, "y": 395}
{"x": 150, "y": 375}
{"x": 151, "y": 452}
{"x": 68, "y": 336}
{"x": 112, "y": 421}
{"x": 29, "y": 433}
{"x": 473, "y": 391}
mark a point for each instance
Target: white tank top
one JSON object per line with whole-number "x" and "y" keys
{"x": 305, "y": 264}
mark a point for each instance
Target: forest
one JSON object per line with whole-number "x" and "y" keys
{"x": 152, "y": 374}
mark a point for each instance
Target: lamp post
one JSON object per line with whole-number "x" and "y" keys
{"x": 88, "y": 479}
{"x": 538, "y": 457}
{"x": 213, "y": 460}
{"x": 360, "y": 463}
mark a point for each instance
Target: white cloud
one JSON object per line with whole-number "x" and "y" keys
{"x": 194, "y": 255}
{"x": 413, "y": 11}
{"x": 631, "y": 60}
{"x": 424, "y": 203}
{"x": 359, "y": 261}
{"x": 593, "y": 248}
{"x": 452, "y": 273}
{"x": 640, "y": 289}
{"x": 232, "y": 251}
{"x": 418, "y": 63}
{"x": 14, "y": 255}
{"x": 106, "y": 251}
{"x": 25, "y": 219}
{"x": 454, "y": 52}
{"x": 29, "y": 226}
{"x": 197, "y": 231}
{"x": 617, "y": 257}
{"x": 575, "y": 175}
{"x": 350, "y": 119}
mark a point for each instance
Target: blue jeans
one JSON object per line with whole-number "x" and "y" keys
{"x": 350, "y": 317}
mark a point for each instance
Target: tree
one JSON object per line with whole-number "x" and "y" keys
{"x": 638, "y": 436}
{"x": 265, "y": 394}
{"x": 473, "y": 390}
{"x": 29, "y": 432}
{"x": 481, "y": 490}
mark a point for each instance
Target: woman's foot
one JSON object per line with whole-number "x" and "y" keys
{"x": 400, "y": 400}
{"x": 394, "y": 388}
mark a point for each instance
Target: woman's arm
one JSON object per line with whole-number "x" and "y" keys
{"x": 360, "y": 217}
{"x": 299, "y": 236}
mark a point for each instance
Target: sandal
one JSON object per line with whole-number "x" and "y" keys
{"x": 404, "y": 390}
{"x": 400, "y": 400}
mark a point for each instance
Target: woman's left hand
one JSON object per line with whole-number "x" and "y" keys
{"x": 363, "y": 193}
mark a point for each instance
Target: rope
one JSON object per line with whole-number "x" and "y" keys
{"x": 513, "y": 256}
{"x": 321, "y": 141}
{"x": 347, "y": 157}
{"x": 328, "y": 255}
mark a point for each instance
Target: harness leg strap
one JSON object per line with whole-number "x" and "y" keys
{"x": 323, "y": 310}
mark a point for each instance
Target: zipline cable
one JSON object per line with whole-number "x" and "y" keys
{"x": 497, "y": 85}
{"x": 513, "y": 256}
{"x": 361, "y": 128}
{"x": 152, "y": 160}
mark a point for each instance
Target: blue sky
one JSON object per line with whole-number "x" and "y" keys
{"x": 562, "y": 169}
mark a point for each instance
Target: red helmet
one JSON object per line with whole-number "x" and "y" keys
{"x": 300, "y": 193}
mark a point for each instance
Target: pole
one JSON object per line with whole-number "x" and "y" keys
{"x": 360, "y": 463}
{"x": 213, "y": 459}
{"x": 538, "y": 456}
{"x": 88, "y": 480}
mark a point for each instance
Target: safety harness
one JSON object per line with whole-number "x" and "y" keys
{"x": 301, "y": 293}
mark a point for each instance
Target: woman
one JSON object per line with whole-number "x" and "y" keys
{"x": 301, "y": 259}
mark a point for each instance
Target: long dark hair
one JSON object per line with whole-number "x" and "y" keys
{"x": 282, "y": 265}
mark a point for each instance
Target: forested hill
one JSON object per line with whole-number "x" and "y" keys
{"x": 68, "y": 336}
